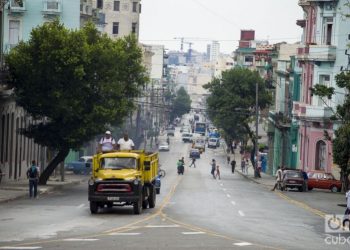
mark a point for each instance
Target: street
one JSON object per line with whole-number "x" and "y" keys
{"x": 193, "y": 211}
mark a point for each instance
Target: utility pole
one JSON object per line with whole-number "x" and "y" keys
{"x": 256, "y": 172}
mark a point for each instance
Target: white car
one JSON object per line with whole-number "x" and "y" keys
{"x": 163, "y": 146}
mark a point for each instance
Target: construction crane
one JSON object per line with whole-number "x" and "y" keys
{"x": 183, "y": 41}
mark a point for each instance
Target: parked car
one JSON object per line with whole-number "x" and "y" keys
{"x": 163, "y": 146}
{"x": 187, "y": 137}
{"x": 322, "y": 180}
{"x": 194, "y": 153}
{"x": 82, "y": 166}
{"x": 293, "y": 179}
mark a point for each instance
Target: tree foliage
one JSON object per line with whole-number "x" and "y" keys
{"x": 231, "y": 102}
{"x": 181, "y": 104}
{"x": 74, "y": 83}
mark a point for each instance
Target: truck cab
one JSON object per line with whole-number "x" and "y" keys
{"x": 123, "y": 178}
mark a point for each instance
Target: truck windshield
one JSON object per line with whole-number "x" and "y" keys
{"x": 118, "y": 163}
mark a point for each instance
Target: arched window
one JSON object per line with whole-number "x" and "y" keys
{"x": 320, "y": 159}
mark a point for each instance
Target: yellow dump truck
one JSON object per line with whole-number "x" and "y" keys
{"x": 123, "y": 178}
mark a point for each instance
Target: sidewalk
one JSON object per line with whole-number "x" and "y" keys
{"x": 320, "y": 202}
{"x": 14, "y": 190}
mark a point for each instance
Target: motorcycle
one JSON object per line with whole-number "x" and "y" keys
{"x": 180, "y": 168}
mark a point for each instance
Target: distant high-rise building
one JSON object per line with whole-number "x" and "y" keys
{"x": 208, "y": 52}
{"x": 214, "y": 51}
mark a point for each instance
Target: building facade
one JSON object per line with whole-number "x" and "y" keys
{"x": 321, "y": 56}
{"x": 122, "y": 17}
{"x": 18, "y": 19}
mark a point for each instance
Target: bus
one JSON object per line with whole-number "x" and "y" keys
{"x": 200, "y": 128}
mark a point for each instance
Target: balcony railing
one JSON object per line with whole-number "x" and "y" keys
{"x": 52, "y": 7}
{"x": 17, "y": 6}
{"x": 304, "y": 111}
{"x": 323, "y": 53}
{"x": 86, "y": 9}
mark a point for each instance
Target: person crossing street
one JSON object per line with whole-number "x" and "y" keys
{"x": 193, "y": 163}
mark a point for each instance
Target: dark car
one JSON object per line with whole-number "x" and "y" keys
{"x": 293, "y": 179}
{"x": 195, "y": 153}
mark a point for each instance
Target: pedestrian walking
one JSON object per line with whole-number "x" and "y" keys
{"x": 347, "y": 211}
{"x": 278, "y": 183}
{"x": 243, "y": 166}
{"x": 193, "y": 163}
{"x": 228, "y": 159}
{"x": 305, "y": 183}
{"x": 217, "y": 174}
{"x": 33, "y": 176}
{"x": 233, "y": 166}
{"x": 213, "y": 168}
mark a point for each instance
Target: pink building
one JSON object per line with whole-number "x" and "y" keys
{"x": 319, "y": 56}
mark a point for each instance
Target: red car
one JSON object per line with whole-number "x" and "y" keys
{"x": 322, "y": 180}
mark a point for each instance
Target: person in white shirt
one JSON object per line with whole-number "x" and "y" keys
{"x": 125, "y": 143}
{"x": 107, "y": 143}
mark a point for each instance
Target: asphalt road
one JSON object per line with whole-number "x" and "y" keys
{"x": 193, "y": 211}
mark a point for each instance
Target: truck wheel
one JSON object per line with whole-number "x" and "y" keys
{"x": 145, "y": 204}
{"x": 152, "y": 198}
{"x": 138, "y": 207}
{"x": 93, "y": 207}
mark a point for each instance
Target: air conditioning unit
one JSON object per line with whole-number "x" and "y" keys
{"x": 86, "y": 9}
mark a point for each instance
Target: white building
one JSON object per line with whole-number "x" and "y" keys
{"x": 121, "y": 17}
{"x": 214, "y": 51}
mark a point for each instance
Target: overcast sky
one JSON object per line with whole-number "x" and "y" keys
{"x": 221, "y": 20}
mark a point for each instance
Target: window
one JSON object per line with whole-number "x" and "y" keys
{"x": 116, "y": 6}
{"x": 134, "y": 6}
{"x": 133, "y": 28}
{"x": 52, "y": 5}
{"x": 118, "y": 163}
{"x": 115, "y": 28}
{"x": 100, "y": 4}
{"x": 2, "y": 138}
{"x": 327, "y": 30}
{"x": 139, "y": 8}
{"x": 324, "y": 80}
{"x": 13, "y": 32}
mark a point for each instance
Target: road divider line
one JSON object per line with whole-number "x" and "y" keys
{"x": 228, "y": 196}
{"x": 124, "y": 234}
{"x": 21, "y": 248}
{"x": 233, "y": 203}
{"x": 241, "y": 213}
{"x": 162, "y": 226}
{"x": 77, "y": 239}
{"x": 242, "y": 244}
{"x": 81, "y": 205}
{"x": 193, "y": 233}
{"x": 224, "y": 189}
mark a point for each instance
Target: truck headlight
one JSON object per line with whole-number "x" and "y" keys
{"x": 136, "y": 182}
{"x": 91, "y": 182}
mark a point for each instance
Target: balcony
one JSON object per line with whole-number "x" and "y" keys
{"x": 317, "y": 53}
{"x": 17, "y": 6}
{"x": 52, "y": 7}
{"x": 86, "y": 9}
{"x": 303, "y": 111}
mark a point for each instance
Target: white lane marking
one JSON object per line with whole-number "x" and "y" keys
{"x": 124, "y": 234}
{"x": 221, "y": 184}
{"x": 192, "y": 233}
{"x": 228, "y": 196}
{"x": 163, "y": 219}
{"x": 224, "y": 189}
{"x": 241, "y": 213}
{"x": 22, "y": 248}
{"x": 242, "y": 244}
{"x": 233, "y": 203}
{"x": 74, "y": 239}
{"x": 161, "y": 226}
{"x": 81, "y": 205}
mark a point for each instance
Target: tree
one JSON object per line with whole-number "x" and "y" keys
{"x": 231, "y": 102}
{"x": 341, "y": 143}
{"x": 75, "y": 84}
{"x": 181, "y": 104}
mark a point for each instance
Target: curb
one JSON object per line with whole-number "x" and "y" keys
{"x": 41, "y": 192}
